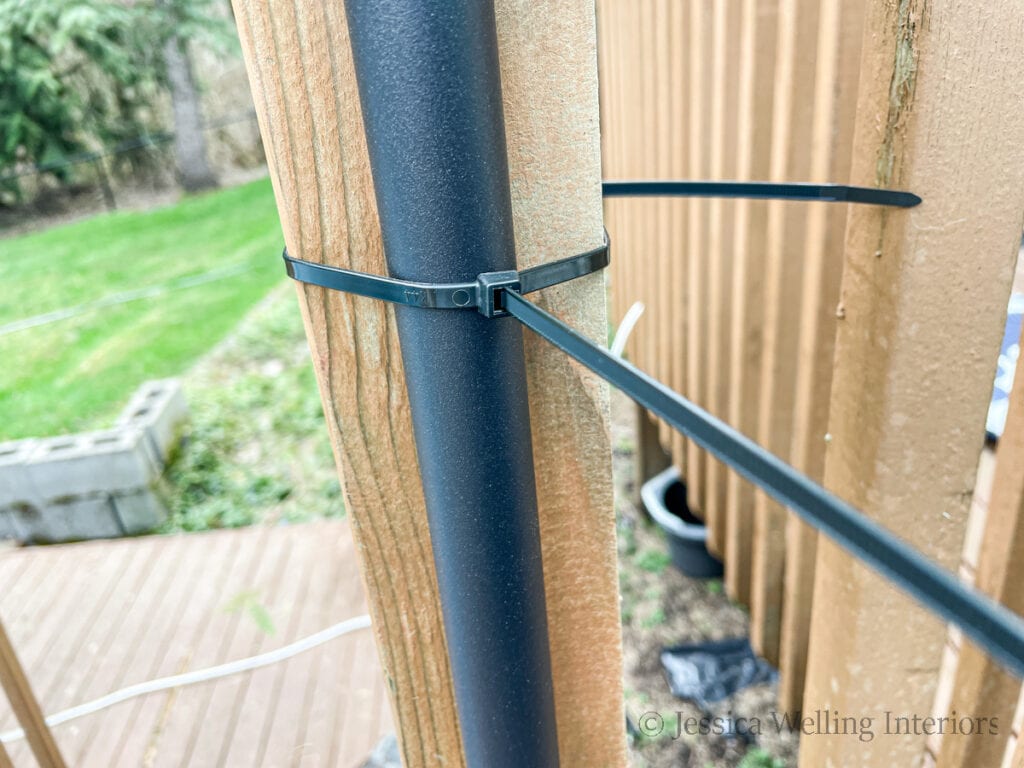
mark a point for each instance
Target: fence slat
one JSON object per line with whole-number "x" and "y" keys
{"x": 679, "y": 158}
{"x": 662, "y": 226}
{"x": 924, "y": 297}
{"x": 696, "y": 252}
{"x": 982, "y": 688}
{"x": 756, "y": 94}
{"x": 722, "y": 145}
{"x": 791, "y": 136}
{"x": 835, "y": 101}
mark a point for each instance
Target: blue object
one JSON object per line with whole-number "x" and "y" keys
{"x": 1008, "y": 354}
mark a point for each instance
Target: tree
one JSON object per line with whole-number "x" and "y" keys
{"x": 85, "y": 76}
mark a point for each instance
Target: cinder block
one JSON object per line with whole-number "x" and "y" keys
{"x": 7, "y": 530}
{"x": 159, "y": 408}
{"x": 139, "y": 512}
{"x": 90, "y": 517}
{"x": 62, "y": 468}
{"x": 15, "y": 485}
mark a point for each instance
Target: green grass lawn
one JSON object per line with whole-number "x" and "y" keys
{"x": 77, "y": 372}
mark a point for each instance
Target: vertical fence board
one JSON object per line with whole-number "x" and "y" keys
{"x": 791, "y": 136}
{"x": 1014, "y": 757}
{"x": 722, "y": 146}
{"x": 662, "y": 66}
{"x": 916, "y": 347}
{"x": 679, "y": 157}
{"x": 835, "y": 101}
{"x": 982, "y": 688}
{"x": 756, "y": 93}
{"x": 300, "y": 69}
{"x": 696, "y": 255}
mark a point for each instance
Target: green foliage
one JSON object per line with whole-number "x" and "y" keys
{"x": 759, "y": 758}
{"x": 656, "y": 619}
{"x": 256, "y": 448}
{"x": 83, "y": 76}
{"x": 653, "y": 561}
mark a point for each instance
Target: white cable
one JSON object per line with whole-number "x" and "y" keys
{"x": 626, "y": 328}
{"x": 199, "y": 675}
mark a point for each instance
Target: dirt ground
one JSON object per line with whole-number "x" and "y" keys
{"x": 661, "y": 607}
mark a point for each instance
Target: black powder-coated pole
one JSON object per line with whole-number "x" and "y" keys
{"x": 430, "y": 90}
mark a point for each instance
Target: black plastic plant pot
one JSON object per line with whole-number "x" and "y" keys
{"x": 664, "y": 496}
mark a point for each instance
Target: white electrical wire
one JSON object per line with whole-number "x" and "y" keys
{"x": 199, "y": 675}
{"x": 626, "y": 328}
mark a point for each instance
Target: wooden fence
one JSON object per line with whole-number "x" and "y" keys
{"x": 888, "y": 366}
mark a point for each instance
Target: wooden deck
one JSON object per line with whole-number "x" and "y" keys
{"x": 90, "y": 618}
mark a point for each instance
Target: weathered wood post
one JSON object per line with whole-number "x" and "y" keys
{"x": 300, "y": 66}
{"x": 26, "y": 708}
{"x": 923, "y": 302}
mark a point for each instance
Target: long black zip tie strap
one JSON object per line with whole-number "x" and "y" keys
{"x": 991, "y": 625}
{"x": 479, "y": 295}
{"x": 761, "y": 190}
{"x": 496, "y": 294}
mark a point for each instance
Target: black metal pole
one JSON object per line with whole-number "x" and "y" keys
{"x": 431, "y": 96}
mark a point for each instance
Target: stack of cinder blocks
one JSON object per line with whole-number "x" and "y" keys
{"x": 96, "y": 484}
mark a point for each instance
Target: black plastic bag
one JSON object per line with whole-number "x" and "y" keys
{"x": 708, "y": 672}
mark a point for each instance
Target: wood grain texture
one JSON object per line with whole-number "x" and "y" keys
{"x": 837, "y": 72}
{"x": 300, "y": 67}
{"x": 699, "y": 98}
{"x": 725, "y": 58}
{"x": 759, "y": 37}
{"x": 678, "y": 159}
{"x": 792, "y": 119}
{"x": 981, "y": 687}
{"x": 938, "y": 114}
{"x": 549, "y": 83}
{"x": 23, "y": 701}
{"x": 301, "y": 73}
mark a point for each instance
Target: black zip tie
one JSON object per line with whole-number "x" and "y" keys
{"x": 761, "y": 190}
{"x": 991, "y": 625}
{"x": 496, "y": 294}
{"x": 483, "y": 295}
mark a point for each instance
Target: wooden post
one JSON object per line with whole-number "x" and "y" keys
{"x": 5, "y": 759}
{"x": 300, "y": 70}
{"x": 840, "y": 31}
{"x": 26, "y": 708}
{"x": 923, "y": 303}
{"x": 549, "y": 82}
{"x": 982, "y": 688}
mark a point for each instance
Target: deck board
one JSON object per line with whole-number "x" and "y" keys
{"x": 89, "y": 618}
